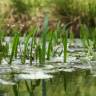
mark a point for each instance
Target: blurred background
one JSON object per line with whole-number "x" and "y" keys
{"x": 21, "y": 15}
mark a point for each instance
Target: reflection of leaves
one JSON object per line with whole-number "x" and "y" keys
{"x": 94, "y": 56}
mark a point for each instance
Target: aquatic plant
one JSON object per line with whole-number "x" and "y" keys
{"x": 3, "y": 47}
{"x": 14, "y": 50}
{"x": 84, "y": 35}
{"x": 34, "y": 30}
{"x": 26, "y": 41}
{"x": 44, "y": 37}
{"x": 64, "y": 41}
{"x": 57, "y": 33}
{"x": 49, "y": 50}
{"x": 39, "y": 54}
{"x": 41, "y": 47}
{"x": 94, "y": 38}
{"x": 72, "y": 39}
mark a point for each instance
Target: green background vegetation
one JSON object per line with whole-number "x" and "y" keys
{"x": 22, "y": 14}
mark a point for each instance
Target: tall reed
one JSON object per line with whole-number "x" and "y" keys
{"x": 44, "y": 38}
{"x": 34, "y": 30}
{"x": 49, "y": 50}
{"x": 64, "y": 41}
{"x": 84, "y": 35}
{"x": 14, "y": 50}
{"x": 26, "y": 41}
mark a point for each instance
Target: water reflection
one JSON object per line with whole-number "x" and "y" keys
{"x": 57, "y": 80}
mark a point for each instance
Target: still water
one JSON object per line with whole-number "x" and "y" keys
{"x": 49, "y": 80}
{"x": 76, "y": 78}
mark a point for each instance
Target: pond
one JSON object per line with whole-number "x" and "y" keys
{"x": 47, "y": 81}
{"x": 77, "y": 77}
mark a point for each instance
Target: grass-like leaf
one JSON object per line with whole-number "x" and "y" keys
{"x": 14, "y": 47}
{"x": 44, "y": 37}
{"x": 26, "y": 40}
{"x": 64, "y": 40}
